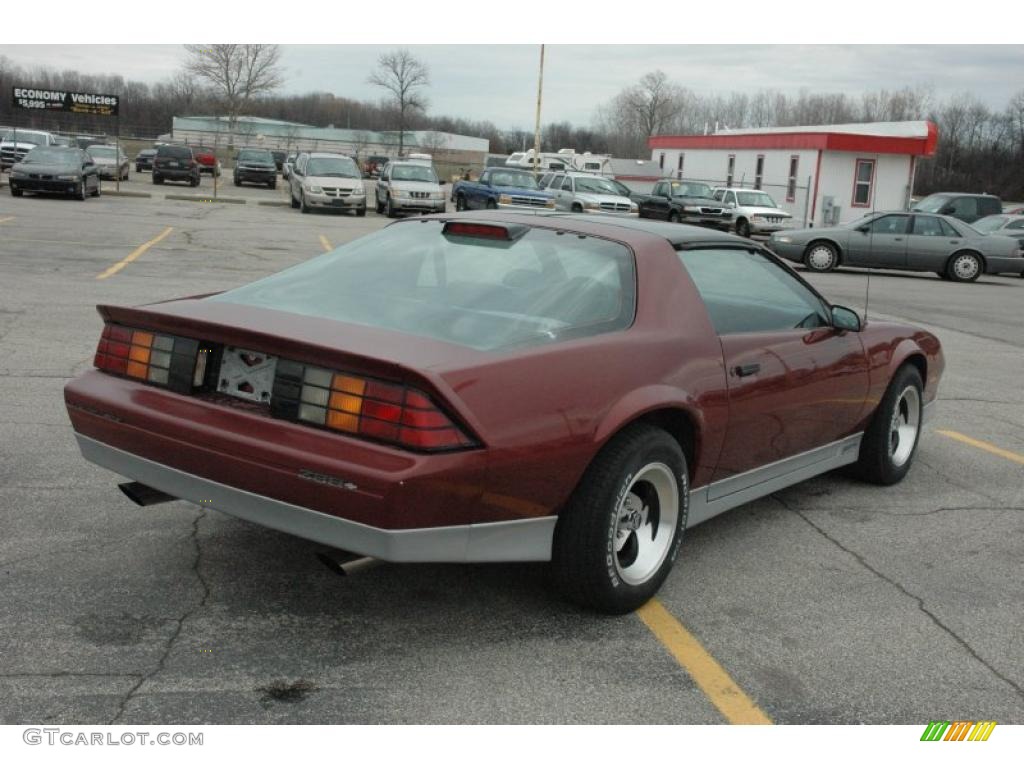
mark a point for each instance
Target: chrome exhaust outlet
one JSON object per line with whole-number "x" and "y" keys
{"x": 346, "y": 567}
{"x": 143, "y": 495}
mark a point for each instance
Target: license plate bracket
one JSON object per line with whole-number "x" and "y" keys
{"x": 246, "y": 374}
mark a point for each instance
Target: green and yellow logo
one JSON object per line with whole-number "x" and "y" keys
{"x": 958, "y": 730}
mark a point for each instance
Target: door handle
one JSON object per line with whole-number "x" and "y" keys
{"x": 747, "y": 370}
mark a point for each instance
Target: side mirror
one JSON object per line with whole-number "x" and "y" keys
{"x": 863, "y": 229}
{"x": 442, "y": 182}
{"x": 845, "y": 319}
{"x": 949, "y": 209}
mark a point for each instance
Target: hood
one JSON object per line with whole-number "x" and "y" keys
{"x": 415, "y": 186}
{"x": 19, "y": 145}
{"x": 51, "y": 169}
{"x": 341, "y": 182}
{"x": 763, "y": 210}
{"x": 108, "y": 160}
{"x": 595, "y": 197}
{"x": 522, "y": 191}
{"x": 697, "y": 200}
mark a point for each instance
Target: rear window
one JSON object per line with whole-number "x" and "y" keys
{"x": 484, "y": 294}
{"x": 178, "y": 152}
{"x": 255, "y": 156}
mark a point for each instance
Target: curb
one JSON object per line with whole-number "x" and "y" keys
{"x": 126, "y": 193}
{"x": 195, "y": 199}
{"x": 277, "y": 203}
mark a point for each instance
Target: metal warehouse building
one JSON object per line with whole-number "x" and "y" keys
{"x": 447, "y": 148}
{"x": 822, "y": 174}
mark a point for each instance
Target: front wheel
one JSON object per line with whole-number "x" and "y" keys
{"x": 821, "y": 257}
{"x": 81, "y": 193}
{"x": 460, "y": 203}
{"x": 98, "y": 191}
{"x": 964, "y": 268}
{"x": 302, "y": 203}
{"x": 618, "y": 536}
{"x": 743, "y": 228}
{"x": 673, "y": 218}
{"x": 361, "y": 211}
{"x": 890, "y": 442}
{"x": 389, "y": 208}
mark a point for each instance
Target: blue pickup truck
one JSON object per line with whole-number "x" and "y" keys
{"x": 509, "y": 188}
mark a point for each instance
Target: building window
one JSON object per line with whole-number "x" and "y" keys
{"x": 794, "y": 164}
{"x": 661, "y": 161}
{"x": 730, "y": 171}
{"x": 759, "y": 172}
{"x": 863, "y": 182}
{"x": 679, "y": 170}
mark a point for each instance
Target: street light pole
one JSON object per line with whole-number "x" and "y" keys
{"x": 536, "y": 130}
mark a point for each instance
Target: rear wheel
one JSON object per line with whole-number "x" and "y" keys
{"x": 743, "y": 228}
{"x": 99, "y": 188}
{"x": 890, "y": 442}
{"x": 821, "y": 257}
{"x": 673, "y": 218}
{"x": 619, "y": 534}
{"x": 964, "y": 267}
{"x": 577, "y": 208}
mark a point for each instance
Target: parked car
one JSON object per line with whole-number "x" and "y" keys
{"x": 111, "y": 161}
{"x": 255, "y": 166}
{"x": 686, "y": 202}
{"x": 909, "y": 241}
{"x": 175, "y": 162}
{"x": 18, "y": 142}
{"x": 405, "y": 186}
{"x": 1015, "y": 210}
{"x": 1010, "y": 225}
{"x": 440, "y": 391}
{"x": 965, "y": 207}
{"x": 754, "y": 211}
{"x": 56, "y": 170}
{"x": 327, "y": 180}
{"x": 586, "y": 193}
{"x": 144, "y": 160}
{"x": 374, "y": 165}
{"x": 279, "y": 157}
{"x": 289, "y": 163}
{"x": 501, "y": 188}
{"x": 207, "y": 159}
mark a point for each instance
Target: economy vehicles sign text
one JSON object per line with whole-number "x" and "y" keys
{"x": 64, "y": 101}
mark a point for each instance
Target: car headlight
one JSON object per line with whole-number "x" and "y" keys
{"x": 633, "y": 207}
{"x": 437, "y": 195}
{"x": 691, "y": 208}
{"x": 360, "y": 192}
{"x": 504, "y": 200}
{"x": 592, "y": 206}
{"x": 757, "y": 217}
{"x": 550, "y": 203}
{"x": 19, "y": 175}
{"x": 67, "y": 178}
{"x": 314, "y": 189}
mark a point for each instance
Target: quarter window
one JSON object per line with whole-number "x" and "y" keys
{"x": 746, "y": 292}
{"x": 567, "y": 184}
{"x": 928, "y": 226}
{"x": 965, "y": 208}
{"x": 864, "y": 181}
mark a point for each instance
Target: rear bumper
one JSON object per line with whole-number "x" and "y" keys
{"x": 995, "y": 265}
{"x": 518, "y": 540}
{"x": 179, "y": 174}
{"x": 256, "y": 177}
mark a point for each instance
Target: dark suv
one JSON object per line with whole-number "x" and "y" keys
{"x": 256, "y": 165}
{"x": 965, "y": 207}
{"x": 174, "y": 162}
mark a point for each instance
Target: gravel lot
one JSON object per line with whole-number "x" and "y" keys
{"x": 832, "y": 602}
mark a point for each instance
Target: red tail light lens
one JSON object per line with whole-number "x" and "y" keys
{"x": 155, "y": 358}
{"x": 370, "y": 408}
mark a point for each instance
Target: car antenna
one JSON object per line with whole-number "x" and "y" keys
{"x": 867, "y": 296}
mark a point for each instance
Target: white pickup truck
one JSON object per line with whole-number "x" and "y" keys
{"x": 755, "y": 213}
{"x": 15, "y": 144}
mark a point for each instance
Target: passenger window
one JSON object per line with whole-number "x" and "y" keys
{"x": 556, "y": 182}
{"x": 567, "y": 184}
{"x": 948, "y": 230}
{"x": 746, "y": 292}
{"x": 889, "y": 225}
{"x": 730, "y": 197}
{"x": 928, "y": 226}
{"x": 965, "y": 208}
{"x": 719, "y": 195}
{"x": 661, "y": 189}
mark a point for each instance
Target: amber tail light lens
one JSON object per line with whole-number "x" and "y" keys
{"x": 155, "y": 358}
{"x": 379, "y": 410}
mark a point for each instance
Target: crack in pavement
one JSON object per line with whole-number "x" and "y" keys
{"x": 54, "y": 675}
{"x": 920, "y": 601}
{"x": 162, "y": 661}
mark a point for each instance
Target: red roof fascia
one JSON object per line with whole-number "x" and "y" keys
{"x": 838, "y": 142}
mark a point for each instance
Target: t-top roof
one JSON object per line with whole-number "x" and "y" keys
{"x": 913, "y": 137}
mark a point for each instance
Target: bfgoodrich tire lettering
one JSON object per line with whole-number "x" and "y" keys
{"x": 618, "y": 536}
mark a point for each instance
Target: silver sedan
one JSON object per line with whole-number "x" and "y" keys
{"x": 917, "y": 242}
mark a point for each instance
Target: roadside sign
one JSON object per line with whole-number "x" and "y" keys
{"x": 65, "y": 101}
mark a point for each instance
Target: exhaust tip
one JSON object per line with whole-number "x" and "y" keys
{"x": 143, "y": 495}
{"x": 345, "y": 567}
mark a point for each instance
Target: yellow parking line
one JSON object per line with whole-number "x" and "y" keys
{"x": 133, "y": 255}
{"x": 735, "y": 706}
{"x": 326, "y": 243}
{"x": 6, "y": 219}
{"x": 993, "y": 449}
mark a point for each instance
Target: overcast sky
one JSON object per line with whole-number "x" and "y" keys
{"x": 498, "y": 82}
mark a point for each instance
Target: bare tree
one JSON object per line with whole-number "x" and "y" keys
{"x": 403, "y": 76}
{"x": 236, "y": 73}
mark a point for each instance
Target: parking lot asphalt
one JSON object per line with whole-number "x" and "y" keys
{"x": 831, "y": 602}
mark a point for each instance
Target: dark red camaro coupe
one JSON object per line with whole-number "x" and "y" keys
{"x": 500, "y": 386}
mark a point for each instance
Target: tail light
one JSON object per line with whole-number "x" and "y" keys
{"x": 156, "y": 358}
{"x": 371, "y": 408}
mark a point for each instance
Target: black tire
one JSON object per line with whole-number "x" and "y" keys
{"x": 378, "y": 206}
{"x": 158, "y": 179}
{"x": 302, "y": 202}
{"x": 673, "y": 217}
{"x": 291, "y": 197}
{"x": 577, "y": 208}
{"x": 138, "y": 169}
{"x": 389, "y": 208}
{"x": 876, "y": 463}
{"x": 821, "y": 256}
{"x": 460, "y": 203}
{"x": 586, "y": 568}
{"x": 99, "y": 188}
{"x": 958, "y": 271}
{"x": 81, "y": 193}
{"x": 491, "y": 205}
{"x": 273, "y": 184}
{"x": 942, "y": 275}
{"x": 194, "y": 182}
{"x": 237, "y": 182}
{"x": 743, "y": 228}
{"x": 17, "y": 192}
{"x": 361, "y": 211}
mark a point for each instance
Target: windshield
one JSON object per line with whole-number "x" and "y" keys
{"x": 989, "y": 223}
{"x": 860, "y": 221}
{"x": 690, "y": 189}
{"x": 513, "y": 179}
{"x": 344, "y": 167}
{"x": 756, "y": 199}
{"x": 932, "y": 203}
{"x": 480, "y": 293}
{"x": 595, "y": 184}
{"x": 105, "y": 152}
{"x": 255, "y": 156}
{"x": 26, "y": 137}
{"x": 413, "y": 173}
{"x": 178, "y": 152}
{"x": 52, "y": 156}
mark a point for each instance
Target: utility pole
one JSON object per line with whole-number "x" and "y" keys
{"x": 536, "y": 130}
